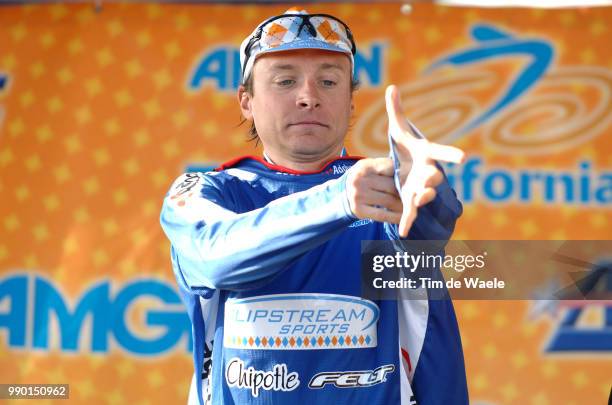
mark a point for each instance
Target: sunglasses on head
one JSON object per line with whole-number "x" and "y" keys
{"x": 306, "y": 23}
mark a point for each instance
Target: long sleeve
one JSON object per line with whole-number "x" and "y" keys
{"x": 215, "y": 247}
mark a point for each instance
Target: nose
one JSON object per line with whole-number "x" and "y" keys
{"x": 308, "y": 96}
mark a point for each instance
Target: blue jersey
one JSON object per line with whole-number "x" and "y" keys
{"x": 268, "y": 264}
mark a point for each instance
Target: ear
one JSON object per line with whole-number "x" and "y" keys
{"x": 244, "y": 100}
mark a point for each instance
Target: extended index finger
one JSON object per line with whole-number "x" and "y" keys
{"x": 403, "y": 132}
{"x": 394, "y": 110}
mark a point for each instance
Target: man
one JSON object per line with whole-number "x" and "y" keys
{"x": 266, "y": 252}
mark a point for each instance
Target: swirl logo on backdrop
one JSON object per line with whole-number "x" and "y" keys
{"x": 509, "y": 89}
{"x": 540, "y": 110}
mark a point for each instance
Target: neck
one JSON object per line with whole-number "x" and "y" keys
{"x": 303, "y": 164}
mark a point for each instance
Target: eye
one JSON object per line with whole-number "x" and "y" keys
{"x": 285, "y": 82}
{"x": 328, "y": 83}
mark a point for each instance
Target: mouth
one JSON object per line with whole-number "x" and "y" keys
{"x": 308, "y": 124}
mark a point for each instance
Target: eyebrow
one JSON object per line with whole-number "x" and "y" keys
{"x": 331, "y": 66}
{"x": 282, "y": 67}
{"x": 323, "y": 66}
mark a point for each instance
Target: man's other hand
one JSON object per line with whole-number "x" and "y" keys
{"x": 419, "y": 174}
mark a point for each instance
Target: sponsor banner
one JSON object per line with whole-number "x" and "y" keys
{"x": 37, "y": 315}
{"x": 102, "y": 108}
{"x": 300, "y": 322}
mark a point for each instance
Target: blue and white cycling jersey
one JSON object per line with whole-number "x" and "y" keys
{"x": 268, "y": 264}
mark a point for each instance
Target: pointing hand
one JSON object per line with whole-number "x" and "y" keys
{"x": 418, "y": 155}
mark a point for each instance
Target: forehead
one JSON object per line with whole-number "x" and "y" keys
{"x": 303, "y": 59}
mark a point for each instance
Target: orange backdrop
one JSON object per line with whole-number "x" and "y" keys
{"x": 101, "y": 109}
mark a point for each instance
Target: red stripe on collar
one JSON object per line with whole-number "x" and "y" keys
{"x": 282, "y": 169}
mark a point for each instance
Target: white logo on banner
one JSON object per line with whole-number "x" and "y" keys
{"x": 277, "y": 379}
{"x": 351, "y": 379}
{"x": 300, "y": 322}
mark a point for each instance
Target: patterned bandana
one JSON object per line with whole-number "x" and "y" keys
{"x": 296, "y": 30}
